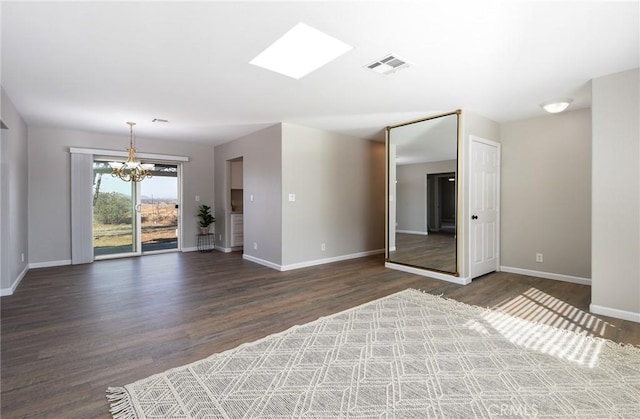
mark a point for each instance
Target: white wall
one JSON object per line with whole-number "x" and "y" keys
{"x": 615, "y": 264}
{"x": 412, "y": 193}
{"x": 13, "y": 197}
{"x": 546, "y": 194}
{"x": 262, "y": 178}
{"x": 338, "y": 182}
{"x": 50, "y": 189}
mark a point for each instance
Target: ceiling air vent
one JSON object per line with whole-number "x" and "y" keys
{"x": 388, "y": 65}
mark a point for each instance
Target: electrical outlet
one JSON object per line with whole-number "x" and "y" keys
{"x": 255, "y": 246}
{"x": 197, "y": 198}
{"x": 220, "y": 237}
{"x": 323, "y": 247}
{"x": 22, "y": 257}
{"x": 539, "y": 257}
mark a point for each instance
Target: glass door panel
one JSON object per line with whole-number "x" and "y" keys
{"x": 159, "y": 209}
{"x": 114, "y": 213}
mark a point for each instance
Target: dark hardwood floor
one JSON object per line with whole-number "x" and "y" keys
{"x": 70, "y": 332}
{"x": 434, "y": 251}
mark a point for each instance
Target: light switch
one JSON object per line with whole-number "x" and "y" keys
{"x": 197, "y": 198}
{"x": 292, "y": 197}
{"x": 251, "y": 197}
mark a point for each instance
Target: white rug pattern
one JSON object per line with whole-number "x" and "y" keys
{"x": 408, "y": 355}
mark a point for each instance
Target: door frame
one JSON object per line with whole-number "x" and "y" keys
{"x": 137, "y": 218}
{"x": 437, "y": 213}
{"x": 468, "y": 203}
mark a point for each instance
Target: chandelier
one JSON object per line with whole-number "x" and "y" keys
{"x": 131, "y": 170}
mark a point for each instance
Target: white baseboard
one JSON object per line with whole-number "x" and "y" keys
{"x": 49, "y": 264}
{"x": 330, "y": 260}
{"x": 9, "y": 291}
{"x": 261, "y": 262}
{"x": 224, "y": 249}
{"x": 614, "y": 312}
{"x": 216, "y": 247}
{"x": 431, "y": 274}
{"x": 307, "y": 264}
{"x": 547, "y": 275}
{"x": 420, "y": 233}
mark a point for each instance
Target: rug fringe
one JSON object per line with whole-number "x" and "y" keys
{"x": 120, "y": 402}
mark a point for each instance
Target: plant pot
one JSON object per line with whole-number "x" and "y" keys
{"x": 204, "y": 230}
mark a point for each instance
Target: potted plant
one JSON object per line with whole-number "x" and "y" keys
{"x": 206, "y": 219}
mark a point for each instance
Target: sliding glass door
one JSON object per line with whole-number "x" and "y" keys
{"x": 114, "y": 213}
{"x": 159, "y": 209}
{"x": 134, "y": 218}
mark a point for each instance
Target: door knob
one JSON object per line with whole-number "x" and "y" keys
{"x": 474, "y": 217}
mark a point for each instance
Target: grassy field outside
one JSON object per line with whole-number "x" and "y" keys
{"x": 159, "y": 223}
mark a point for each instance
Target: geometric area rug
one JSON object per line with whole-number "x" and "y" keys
{"x": 408, "y": 355}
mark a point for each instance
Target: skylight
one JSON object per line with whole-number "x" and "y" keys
{"x": 300, "y": 51}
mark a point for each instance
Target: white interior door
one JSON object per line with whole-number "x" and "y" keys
{"x": 484, "y": 206}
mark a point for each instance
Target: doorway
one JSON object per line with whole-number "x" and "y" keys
{"x": 441, "y": 203}
{"x": 236, "y": 200}
{"x": 132, "y": 218}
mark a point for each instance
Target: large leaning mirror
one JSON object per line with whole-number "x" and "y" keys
{"x": 422, "y": 189}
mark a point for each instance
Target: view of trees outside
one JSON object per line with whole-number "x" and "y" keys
{"x": 114, "y": 212}
{"x": 112, "y": 208}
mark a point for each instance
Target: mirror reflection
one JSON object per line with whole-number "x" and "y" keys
{"x": 422, "y": 188}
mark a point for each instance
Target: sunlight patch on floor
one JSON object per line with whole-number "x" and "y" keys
{"x": 539, "y": 311}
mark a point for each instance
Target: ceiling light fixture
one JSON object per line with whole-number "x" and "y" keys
{"x": 131, "y": 170}
{"x": 300, "y": 51}
{"x": 556, "y": 105}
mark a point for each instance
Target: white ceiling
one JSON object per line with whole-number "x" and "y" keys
{"x": 95, "y": 65}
